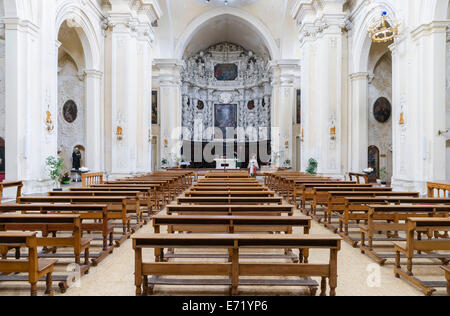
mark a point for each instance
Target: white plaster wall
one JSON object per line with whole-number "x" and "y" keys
{"x": 380, "y": 134}
{"x": 2, "y": 88}
{"x": 70, "y": 87}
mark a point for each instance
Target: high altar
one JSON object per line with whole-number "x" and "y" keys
{"x": 223, "y": 163}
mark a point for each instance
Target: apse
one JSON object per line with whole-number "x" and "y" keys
{"x": 231, "y": 29}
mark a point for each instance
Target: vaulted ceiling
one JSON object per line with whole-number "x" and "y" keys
{"x": 227, "y": 28}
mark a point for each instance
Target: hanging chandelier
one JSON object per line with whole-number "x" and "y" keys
{"x": 383, "y": 30}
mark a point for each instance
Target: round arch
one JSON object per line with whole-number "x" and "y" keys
{"x": 70, "y": 10}
{"x": 254, "y": 23}
{"x": 362, "y": 41}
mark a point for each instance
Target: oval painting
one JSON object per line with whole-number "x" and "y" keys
{"x": 382, "y": 110}
{"x": 70, "y": 111}
{"x": 200, "y": 105}
{"x": 251, "y": 105}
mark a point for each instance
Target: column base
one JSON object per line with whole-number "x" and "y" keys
{"x": 405, "y": 185}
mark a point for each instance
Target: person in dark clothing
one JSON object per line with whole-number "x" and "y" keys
{"x": 76, "y": 159}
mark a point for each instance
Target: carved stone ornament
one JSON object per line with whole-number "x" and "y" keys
{"x": 200, "y": 82}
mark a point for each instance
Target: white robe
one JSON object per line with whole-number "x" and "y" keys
{"x": 253, "y": 166}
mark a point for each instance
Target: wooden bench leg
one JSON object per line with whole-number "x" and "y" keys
{"x": 323, "y": 287}
{"x": 34, "y": 289}
{"x": 49, "y": 285}
{"x": 397, "y": 264}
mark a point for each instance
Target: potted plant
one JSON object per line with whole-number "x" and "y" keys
{"x": 164, "y": 163}
{"x": 55, "y": 168}
{"x": 65, "y": 179}
{"x": 383, "y": 175}
{"x": 287, "y": 163}
{"x": 312, "y": 167}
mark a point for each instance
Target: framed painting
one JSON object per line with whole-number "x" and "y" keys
{"x": 226, "y": 72}
{"x": 70, "y": 111}
{"x": 225, "y": 118}
{"x": 382, "y": 110}
{"x": 154, "y": 107}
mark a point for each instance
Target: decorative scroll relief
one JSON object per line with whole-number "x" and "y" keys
{"x": 226, "y": 74}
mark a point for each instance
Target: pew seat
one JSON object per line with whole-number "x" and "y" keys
{"x": 232, "y": 271}
{"x": 415, "y": 246}
{"x": 34, "y": 267}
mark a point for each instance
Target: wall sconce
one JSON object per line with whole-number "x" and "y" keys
{"x": 286, "y": 144}
{"x": 119, "y": 133}
{"x": 149, "y": 135}
{"x": 402, "y": 119}
{"x": 48, "y": 122}
{"x": 302, "y": 138}
{"x": 166, "y": 143}
{"x": 333, "y": 133}
{"x": 443, "y": 133}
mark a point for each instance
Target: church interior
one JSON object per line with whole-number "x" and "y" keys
{"x": 225, "y": 148}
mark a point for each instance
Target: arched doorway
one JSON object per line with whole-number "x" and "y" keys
{"x": 71, "y": 93}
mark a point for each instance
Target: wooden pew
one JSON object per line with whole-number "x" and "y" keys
{"x": 271, "y": 210}
{"x": 151, "y": 190}
{"x": 230, "y": 180}
{"x": 226, "y": 188}
{"x": 230, "y": 193}
{"x": 232, "y": 224}
{"x": 434, "y": 189}
{"x": 336, "y": 203}
{"x": 145, "y": 197}
{"x": 234, "y": 269}
{"x": 88, "y": 179}
{"x": 447, "y": 277}
{"x": 47, "y": 224}
{"x": 97, "y": 214}
{"x": 320, "y": 196}
{"x": 304, "y": 191}
{"x": 119, "y": 208}
{"x": 360, "y": 178}
{"x": 391, "y": 218}
{"x": 414, "y": 246}
{"x": 357, "y": 209}
{"x": 13, "y": 184}
{"x": 36, "y": 268}
{"x": 229, "y": 200}
{"x": 228, "y": 184}
{"x": 161, "y": 189}
{"x": 227, "y": 175}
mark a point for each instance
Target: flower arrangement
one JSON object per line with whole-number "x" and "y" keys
{"x": 55, "y": 168}
{"x": 65, "y": 179}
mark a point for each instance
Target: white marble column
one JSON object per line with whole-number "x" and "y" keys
{"x": 94, "y": 120}
{"x": 170, "y": 108}
{"x": 121, "y": 93}
{"x": 358, "y": 125}
{"x": 30, "y": 92}
{"x": 419, "y": 150}
{"x": 144, "y": 100}
{"x": 285, "y": 74}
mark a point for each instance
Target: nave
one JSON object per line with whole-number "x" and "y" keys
{"x": 189, "y": 204}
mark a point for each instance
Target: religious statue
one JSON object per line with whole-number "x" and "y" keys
{"x": 253, "y": 166}
{"x": 76, "y": 159}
